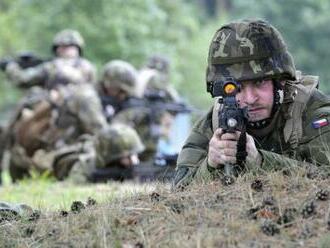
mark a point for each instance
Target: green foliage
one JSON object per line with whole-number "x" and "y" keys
{"x": 113, "y": 29}
{"x": 133, "y": 30}
{"x": 41, "y": 191}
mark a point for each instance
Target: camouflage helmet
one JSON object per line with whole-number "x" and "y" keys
{"x": 248, "y": 50}
{"x": 159, "y": 62}
{"x": 68, "y": 37}
{"x": 117, "y": 141}
{"x": 121, "y": 74}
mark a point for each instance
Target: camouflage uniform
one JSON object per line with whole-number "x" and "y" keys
{"x": 95, "y": 155}
{"x": 51, "y": 122}
{"x": 253, "y": 50}
{"x": 155, "y": 77}
{"x": 146, "y": 123}
{"x": 132, "y": 111}
{"x": 118, "y": 78}
{"x": 59, "y": 71}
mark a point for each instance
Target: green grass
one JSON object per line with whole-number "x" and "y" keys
{"x": 45, "y": 193}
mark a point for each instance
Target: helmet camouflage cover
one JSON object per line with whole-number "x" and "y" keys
{"x": 68, "y": 37}
{"x": 121, "y": 74}
{"x": 117, "y": 141}
{"x": 249, "y": 50}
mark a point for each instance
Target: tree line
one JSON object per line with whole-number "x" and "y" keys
{"x": 133, "y": 30}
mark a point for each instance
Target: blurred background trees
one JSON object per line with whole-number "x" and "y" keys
{"x": 134, "y": 29}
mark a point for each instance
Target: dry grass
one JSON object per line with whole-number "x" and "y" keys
{"x": 210, "y": 215}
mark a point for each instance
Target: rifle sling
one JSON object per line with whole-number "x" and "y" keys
{"x": 241, "y": 149}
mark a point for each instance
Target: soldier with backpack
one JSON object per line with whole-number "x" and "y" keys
{"x": 287, "y": 117}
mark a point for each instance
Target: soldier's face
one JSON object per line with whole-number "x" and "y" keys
{"x": 115, "y": 92}
{"x": 258, "y": 97}
{"x": 67, "y": 51}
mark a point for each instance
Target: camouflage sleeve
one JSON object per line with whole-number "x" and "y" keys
{"x": 89, "y": 71}
{"x": 75, "y": 162}
{"x": 315, "y": 152}
{"x": 192, "y": 161}
{"x": 92, "y": 76}
{"x": 86, "y": 104}
{"x": 275, "y": 161}
{"x": 313, "y": 148}
{"x": 139, "y": 119}
{"x": 82, "y": 168}
{"x": 26, "y": 77}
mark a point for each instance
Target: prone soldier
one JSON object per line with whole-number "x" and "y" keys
{"x": 288, "y": 117}
{"x": 111, "y": 154}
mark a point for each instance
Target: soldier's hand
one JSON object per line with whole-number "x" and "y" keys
{"x": 222, "y": 148}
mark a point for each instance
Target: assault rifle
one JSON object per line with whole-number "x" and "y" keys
{"x": 231, "y": 117}
{"x": 110, "y": 173}
{"x": 156, "y": 101}
{"x": 144, "y": 172}
{"x": 24, "y": 59}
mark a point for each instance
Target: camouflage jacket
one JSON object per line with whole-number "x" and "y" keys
{"x": 59, "y": 71}
{"x": 312, "y": 147}
{"x": 51, "y": 125}
{"x": 147, "y": 124}
{"x": 80, "y": 163}
{"x": 76, "y": 161}
{"x": 152, "y": 79}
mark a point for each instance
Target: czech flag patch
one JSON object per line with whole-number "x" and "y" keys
{"x": 320, "y": 123}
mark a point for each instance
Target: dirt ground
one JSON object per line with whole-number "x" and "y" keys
{"x": 279, "y": 209}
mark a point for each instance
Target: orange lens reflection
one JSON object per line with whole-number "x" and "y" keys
{"x": 229, "y": 88}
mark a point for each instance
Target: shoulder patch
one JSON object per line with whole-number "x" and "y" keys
{"x": 320, "y": 123}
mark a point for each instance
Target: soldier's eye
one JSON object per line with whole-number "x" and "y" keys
{"x": 261, "y": 82}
